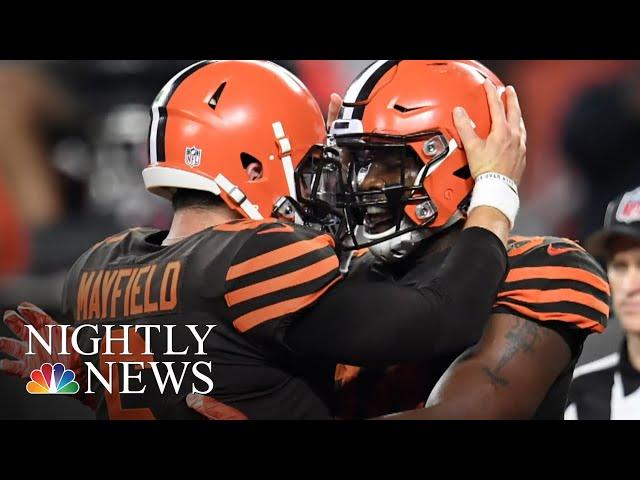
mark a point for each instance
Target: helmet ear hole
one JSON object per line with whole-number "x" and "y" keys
{"x": 252, "y": 166}
{"x": 213, "y": 102}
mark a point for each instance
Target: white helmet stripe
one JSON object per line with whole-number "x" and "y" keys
{"x": 364, "y": 84}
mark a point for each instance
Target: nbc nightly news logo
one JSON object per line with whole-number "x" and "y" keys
{"x": 120, "y": 355}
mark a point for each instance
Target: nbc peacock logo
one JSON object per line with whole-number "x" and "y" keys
{"x": 52, "y": 379}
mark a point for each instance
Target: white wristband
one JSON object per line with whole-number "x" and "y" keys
{"x": 497, "y": 191}
{"x": 498, "y": 176}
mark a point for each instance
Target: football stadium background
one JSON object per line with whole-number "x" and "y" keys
{"x": 73, "y": 144}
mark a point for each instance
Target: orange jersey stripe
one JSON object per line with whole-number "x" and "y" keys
{"x": 242, "y": 225}
{"x": 279, "y": 255}
{"x": 113, "y": 238}
{"x": 579, "y": 320}
{"x": 251, "y": 319}
{"x": 557, "y": 295}
{"x": 558, "y": 273}
{"x": 281, "y": 282}
{"x": 117, "y": 238}
{"x": 282, "y": 229}
{"x": 534, "y": 242}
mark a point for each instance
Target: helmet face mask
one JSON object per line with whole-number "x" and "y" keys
{"x": 320, "y": 189}
{"x": 385, "y": 176}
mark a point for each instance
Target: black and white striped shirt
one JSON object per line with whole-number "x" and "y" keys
{"x": 608, "y": 388}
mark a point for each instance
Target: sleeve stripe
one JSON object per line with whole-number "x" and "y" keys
{"x": 281, "y": 229}
{"x": 558, "y": 273}
{"x": 558, "y": 295}
{"x": 579, "y": 320}
{"x": 246, "y": 224}
{"x": 303, "y": 275}
{"x": 113, "y": 238}
{"x": 279, "y": 255}
{"x": 251, "y": 319}
{"x": 535, "y": 241}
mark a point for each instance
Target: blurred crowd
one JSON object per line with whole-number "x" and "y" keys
{"x": 73, "y": 140}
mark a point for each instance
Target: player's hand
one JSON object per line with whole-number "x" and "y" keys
{"x": 212, "y": 409}
{"x": 334, "y": 109}
{"x": 23, "y": 364}
{"x": 504, "y": 150}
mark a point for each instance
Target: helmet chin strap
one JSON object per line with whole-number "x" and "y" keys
{"x": 399, "y": 247}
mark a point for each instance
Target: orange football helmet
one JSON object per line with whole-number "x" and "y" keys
{"x": 214, "y": 118}
{"x": 402, "y": 162}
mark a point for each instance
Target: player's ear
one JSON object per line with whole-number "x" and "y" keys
{"x": 254, "y": 171}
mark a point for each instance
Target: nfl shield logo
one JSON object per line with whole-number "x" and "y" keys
{"x": 192, "y": 156}
{"x": 629, "y": 208}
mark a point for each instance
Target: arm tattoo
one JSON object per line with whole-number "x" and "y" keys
{"x": 522, "y": 336}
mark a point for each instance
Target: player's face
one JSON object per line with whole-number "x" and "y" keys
{"x": 624, "y": 276}
{"x": 376, "y": 169}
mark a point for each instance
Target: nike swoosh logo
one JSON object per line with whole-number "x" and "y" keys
{"x": 402, "y": 109}
{"x": 553, "y": 251}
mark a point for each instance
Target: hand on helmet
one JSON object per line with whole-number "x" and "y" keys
{"x": 504, "y": 150}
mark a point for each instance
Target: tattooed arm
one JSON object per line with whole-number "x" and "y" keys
{"x": 505, "y": 376}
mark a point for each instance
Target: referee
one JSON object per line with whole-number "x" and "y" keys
{"x": 609, "y": 388}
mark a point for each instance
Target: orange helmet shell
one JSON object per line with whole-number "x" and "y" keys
{"x": 215, "y": 117}
{"x": 408, "y": 97}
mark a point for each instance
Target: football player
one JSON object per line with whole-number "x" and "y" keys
{"x": 409, "y": 190}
